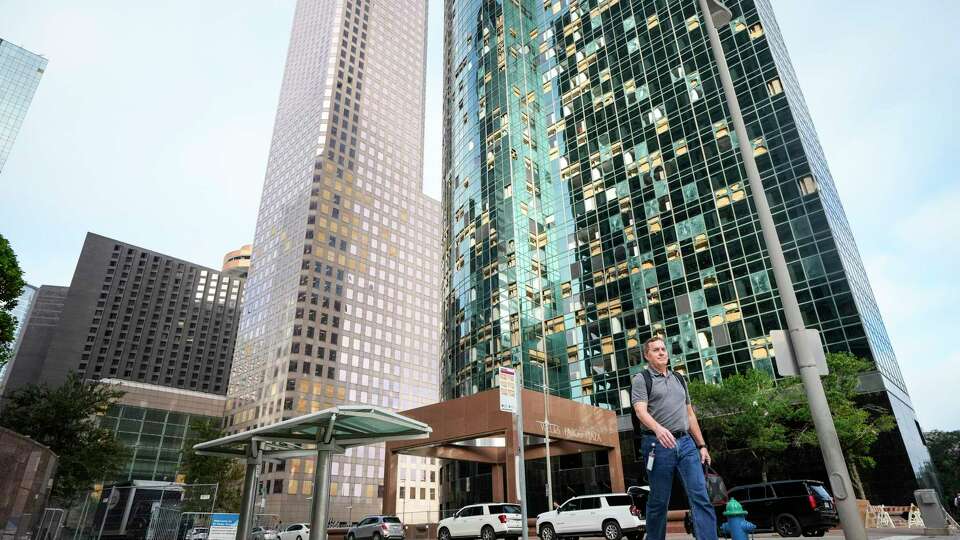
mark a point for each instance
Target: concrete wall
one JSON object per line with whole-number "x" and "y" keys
{"x": 26, "y": 476}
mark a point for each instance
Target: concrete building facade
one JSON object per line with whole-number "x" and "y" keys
{"x": 35, "y": 337}
{"x": 236, "y": 263}
{"x": 342, "y": 297}
{"x": 132, "y": 314}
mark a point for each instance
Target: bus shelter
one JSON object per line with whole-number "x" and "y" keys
{"x": 320, "y": 434}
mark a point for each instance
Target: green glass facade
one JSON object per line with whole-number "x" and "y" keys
{"x": 594, "y": 195}
{"x": 156, "y": 439}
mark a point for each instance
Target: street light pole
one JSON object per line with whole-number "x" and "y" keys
{"x": 715, "y": 13}
{"x": 546, "y": 432}
{"x": 520, "y": 459}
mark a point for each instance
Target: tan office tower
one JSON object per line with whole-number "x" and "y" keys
{"x": 342, "y": 299}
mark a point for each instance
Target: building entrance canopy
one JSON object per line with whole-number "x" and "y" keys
{"x": 473, "y": 428}
{"x": 320, "y": 434}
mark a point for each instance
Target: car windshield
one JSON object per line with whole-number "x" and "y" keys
{"x": 391, "y": 519}
{"x": 820, "y": 492}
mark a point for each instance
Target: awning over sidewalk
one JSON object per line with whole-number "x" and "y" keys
{"x": 320, "y": 434}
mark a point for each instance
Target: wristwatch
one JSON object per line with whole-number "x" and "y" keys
{"x": 701, "y": 446}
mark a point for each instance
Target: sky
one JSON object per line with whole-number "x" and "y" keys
{"x": 153, "y": 120}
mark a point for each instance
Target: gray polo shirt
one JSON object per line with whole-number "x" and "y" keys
{"x": 668, "y": 402}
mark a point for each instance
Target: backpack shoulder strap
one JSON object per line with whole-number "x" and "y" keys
{"x": 648, "y": 380}
{"x": 683, "y": 383}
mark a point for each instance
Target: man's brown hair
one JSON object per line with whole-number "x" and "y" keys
{"x": 653, "y": 338}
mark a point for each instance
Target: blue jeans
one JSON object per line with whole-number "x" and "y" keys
{"x": 684, "y": 458}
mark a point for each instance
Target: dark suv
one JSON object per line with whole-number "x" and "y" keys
{"x": 789, "y": 507}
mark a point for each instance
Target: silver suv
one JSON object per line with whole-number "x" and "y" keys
{"x": 376, "y": 528}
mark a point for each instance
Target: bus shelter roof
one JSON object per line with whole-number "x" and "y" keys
{"x": 343, "y": 427}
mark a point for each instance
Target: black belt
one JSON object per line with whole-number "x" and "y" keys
{"x": 676, "y": 434}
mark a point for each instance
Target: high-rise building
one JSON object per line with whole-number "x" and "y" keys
{"x": 20, "y": 72}
{"x": 343, "y": 293}
{"x": 133, "y": 314}
{"x": 236, "y": 263}
{"x": 594, "y": 196}
{"x": 35, "y": 333}
{"x": 20, "y": 314}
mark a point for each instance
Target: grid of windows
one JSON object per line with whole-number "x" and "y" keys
{"x": 594, "y": 196}
{"x": 156, "y": 439}
{"x": 342, "y": 298}
{"x": 20, "y": 73}
{"x": 158, "y": 320}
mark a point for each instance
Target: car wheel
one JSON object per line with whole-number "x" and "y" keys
{"x": 787, "y": 526}
{"x": 547, "y": 532}
{"x": 350, "y": 536}
{"x": 486, "y": 533}
{"x": 444, "y": 534}
{"x": 814, "y": 532}
{"x": 611, "y": 530}
{"x": 299, "y": 538}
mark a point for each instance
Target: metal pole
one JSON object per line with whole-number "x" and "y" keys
{"x": 809, "y": 372}
{"x": 249, "y": 490}
{"x": 521, "y": 462}
{"x": 546, "y": 431}
{"x": 106, "y": 510}
{"x": 321, "y": 489}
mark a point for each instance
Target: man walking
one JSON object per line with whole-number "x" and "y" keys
{"x": 671, "y": 442}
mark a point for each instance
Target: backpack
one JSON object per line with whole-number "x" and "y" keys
{"x": 638, "y": 427}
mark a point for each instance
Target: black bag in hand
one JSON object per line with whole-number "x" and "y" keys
{"x": 716, "y": 489}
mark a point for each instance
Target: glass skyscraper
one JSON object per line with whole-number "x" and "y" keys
{"x": 594, "y": 195}
{"x": 20, "y": 72}
{"x": 342, "y": 299}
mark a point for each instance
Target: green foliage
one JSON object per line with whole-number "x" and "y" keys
{"x": 944, "y": 447}
{"x": 750, "y": 414}
{"x": 858, "y": 428}
{"x": 228, "y": 473}
{"x": 65, "y": 420}
{"x": 11, "y": 287}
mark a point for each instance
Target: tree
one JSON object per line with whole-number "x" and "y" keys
{"x": 748, "y": 414}
{"x": 944, "y": 447}
{"x": 858, "y": 427}
{"x": 11, "y": 287}
{"x": 65, "y": 420}
{"x": 225, "y": 472}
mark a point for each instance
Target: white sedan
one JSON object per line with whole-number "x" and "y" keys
{"x": 296, "y": 531}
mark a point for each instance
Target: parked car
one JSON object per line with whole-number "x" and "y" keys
{"x": 788, "y": 507}
{"x": 612, "y": 515}
{"x": 198, "y": 533}
{"x": 376, "y": 528}
{"x": 486, "y": 521}
{"x": 295, "y": 531}
{"x": 261, "y": 533}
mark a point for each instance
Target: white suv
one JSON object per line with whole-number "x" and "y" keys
{"x": 486, "y": 521}
{"x": 611, "y": 516}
